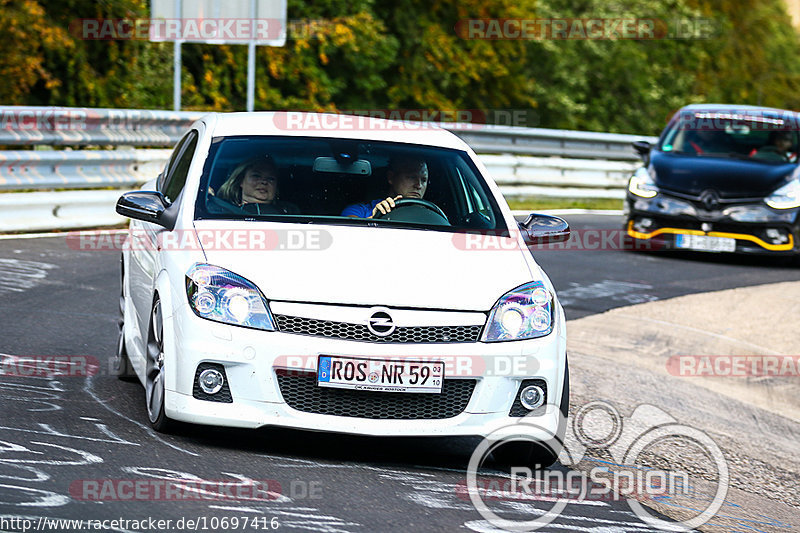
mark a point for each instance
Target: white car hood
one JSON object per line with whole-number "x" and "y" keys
{"x": 360, "y": 265}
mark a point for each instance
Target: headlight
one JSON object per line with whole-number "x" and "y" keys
{"x": 642, "y": 183}
{"x": 524, "y": 313}
{"x": 785, "y": 197}
{"x": 222, "y": 296}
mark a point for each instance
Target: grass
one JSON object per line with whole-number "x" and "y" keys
{"x": 534, "y": 204}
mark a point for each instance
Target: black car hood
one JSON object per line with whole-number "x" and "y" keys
{"x": 730, "y": 177}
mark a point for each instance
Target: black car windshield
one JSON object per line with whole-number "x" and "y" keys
{"x": 340, "y": 181}
{"x": 756, "y": 137}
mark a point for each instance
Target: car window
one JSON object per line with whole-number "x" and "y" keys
{"x": 171, "y": 161}
{"x": 756, "y": 137}
{"x": 179, "y": 169}
{"x": 339, "y": 181}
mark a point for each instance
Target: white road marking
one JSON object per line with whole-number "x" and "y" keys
{"x": 622, "y": 291}
{"x": 17, "y": 275}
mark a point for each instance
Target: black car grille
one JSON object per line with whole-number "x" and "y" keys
{"x": 302, "y": 393}
{"x": 360, "y": 332}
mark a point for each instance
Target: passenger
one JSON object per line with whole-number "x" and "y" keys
{"x": 704, "y": 141}
{"x": 253, "y": 186}
{"x": 407, "y": 178}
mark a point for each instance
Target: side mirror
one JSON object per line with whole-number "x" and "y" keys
{"x": 148, "y": 206}
{"x": 543, "y": 229}
{"x": 642, "y": 148}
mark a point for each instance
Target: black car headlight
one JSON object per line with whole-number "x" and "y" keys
{"x": 785, "y": 197}
{"x": 523, "y": 313}
{"x": 642, "y": 183}
{"x": 222, "y": 296}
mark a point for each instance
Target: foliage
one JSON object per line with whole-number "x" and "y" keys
{"x": 409, "y": 54}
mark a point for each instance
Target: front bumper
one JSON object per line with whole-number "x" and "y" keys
{"x": 253, "y": 359}
{"x": 662, "y": 229}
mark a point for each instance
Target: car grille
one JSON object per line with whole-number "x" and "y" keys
{"x": 360, "y": 332}
{"x": 301, "y": 392}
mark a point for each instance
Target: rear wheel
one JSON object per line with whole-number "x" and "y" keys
{"x": 154, "y": 373}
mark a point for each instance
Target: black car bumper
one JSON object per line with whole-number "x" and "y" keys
{"x": 667, "y": 231}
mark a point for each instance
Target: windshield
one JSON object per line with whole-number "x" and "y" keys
{"x": 755, "y": 137}
{"x": 336, "y": 181}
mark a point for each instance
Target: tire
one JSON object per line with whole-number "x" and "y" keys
{"x": 537, "y": 455}
{"x": 154, "y": 373}
{"x": 120, "y": 363}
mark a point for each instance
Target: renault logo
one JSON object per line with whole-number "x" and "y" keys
{"x": 380, "y": 324}
{"x": 710, "y": 199}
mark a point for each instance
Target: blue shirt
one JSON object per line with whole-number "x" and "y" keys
{"x": 361, "y": 210}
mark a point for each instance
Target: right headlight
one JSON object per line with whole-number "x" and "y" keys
{"x": 785, "y": 197}
{"x": 523, "y": 313}
{"x": 642, "y": 183}
{"x": 222, "y": 296}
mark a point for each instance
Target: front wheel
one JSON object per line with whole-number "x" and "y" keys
{"x": 538, "y": 455}
{"x": 154, "y": 373}
{"x": 120, "y": 363}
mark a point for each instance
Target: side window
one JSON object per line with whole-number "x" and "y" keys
{"x": 171, "y": 163}
{"x": 179, "y": 168}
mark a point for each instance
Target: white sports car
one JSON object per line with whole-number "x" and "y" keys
{"x": 283, "y": 272}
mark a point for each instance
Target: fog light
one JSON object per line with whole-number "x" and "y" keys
{"x": 211, "y": 381}
{"x": 777, "y": 236}
{"x": 643, "y": 224}
{"x": 531, "y": 397}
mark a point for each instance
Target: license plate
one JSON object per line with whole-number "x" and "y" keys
{"x": 705, "y": 243}
{"x": 380, "y": 374}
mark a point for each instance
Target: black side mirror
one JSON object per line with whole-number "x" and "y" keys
{"x": 543, "y": 229}
{"x": 642, "y": 148}
{"x": 148, "y": 206}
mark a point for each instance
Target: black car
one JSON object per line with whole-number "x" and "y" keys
{"x": 721, "y": 179}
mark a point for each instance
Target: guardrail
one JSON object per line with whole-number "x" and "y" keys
{"x": 546, "y": 142}
{"x": 524, "y": 161}
{"x": 76, "y": 126}
{"x": 81, "y": 169}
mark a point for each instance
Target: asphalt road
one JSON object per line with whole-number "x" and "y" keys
{"x": 58, "y": 435}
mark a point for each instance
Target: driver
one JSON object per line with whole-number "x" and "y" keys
{"x": 407, "y": 177}
{"x": 778, "y": 147}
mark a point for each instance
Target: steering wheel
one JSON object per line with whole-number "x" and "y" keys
{"x": 410, "y": 202}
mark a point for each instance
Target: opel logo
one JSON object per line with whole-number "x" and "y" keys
{"x": 709, "y": 199}
{"x": 380, "y": 324}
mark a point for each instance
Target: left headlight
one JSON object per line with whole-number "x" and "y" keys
{"x": 523, "y": 313}
{"x": 222, "y": 296}
{"x": 643, "y": 183}
{"x": 785, "y": 197}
